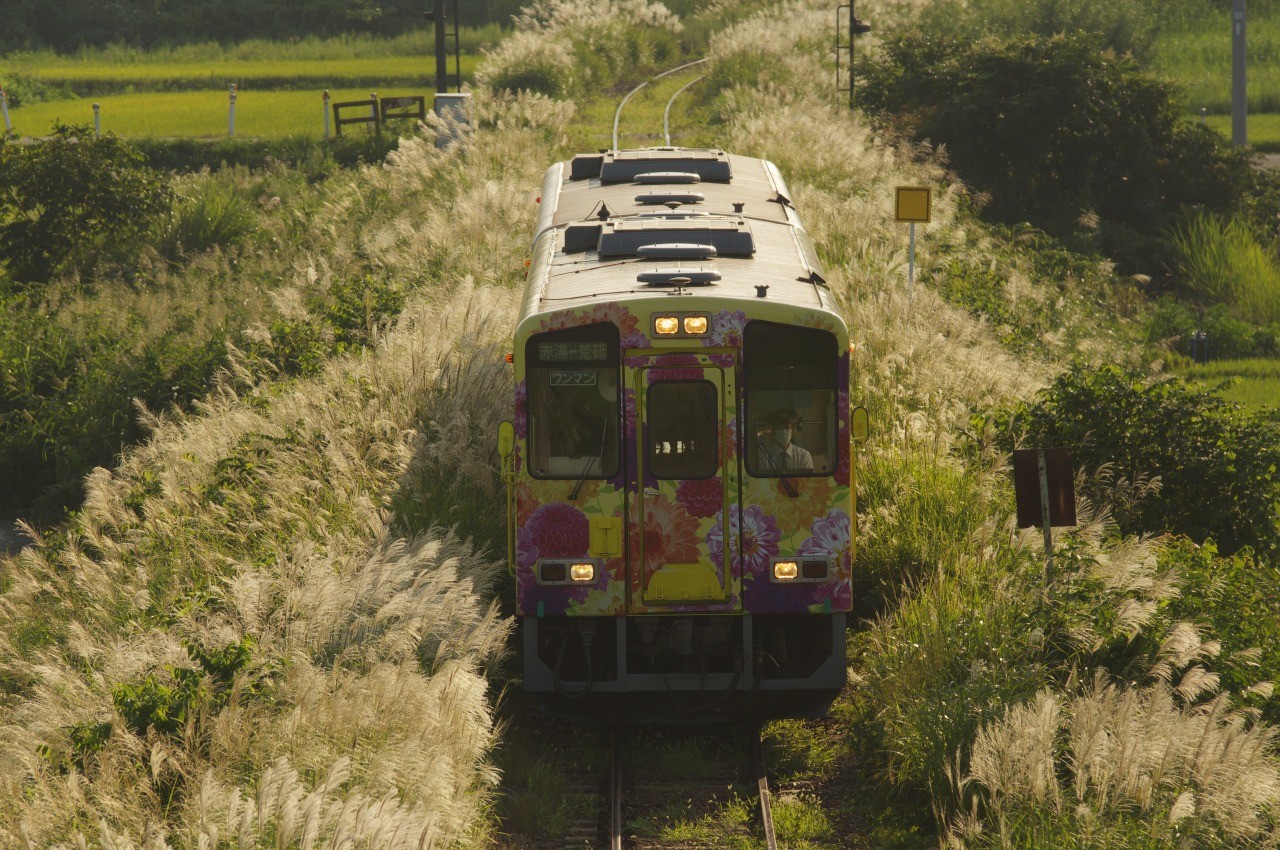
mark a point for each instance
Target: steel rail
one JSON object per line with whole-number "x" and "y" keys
{"x": 615, "y": 793}
{"x": 762, "y": 785}
{"x": 666, "y": 113}
{"x": 617, "y": 115}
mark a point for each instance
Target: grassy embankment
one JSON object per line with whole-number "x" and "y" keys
{"x": 183, "y": 92}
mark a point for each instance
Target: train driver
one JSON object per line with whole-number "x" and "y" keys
{"x": 780, "y": 454}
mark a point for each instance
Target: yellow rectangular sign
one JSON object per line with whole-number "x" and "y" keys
{"x": 913, "y": 204}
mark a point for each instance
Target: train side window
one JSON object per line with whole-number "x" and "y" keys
{"x": 682, "y": 425}
{"x": 790, "y": 380}
{"x": 573, "y": 405}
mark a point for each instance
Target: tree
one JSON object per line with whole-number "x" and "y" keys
{"x": 72, "y": 200}
{"x": 1079, "y": 143}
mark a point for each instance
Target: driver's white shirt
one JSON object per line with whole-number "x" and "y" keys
{"x": 792, "y": 458}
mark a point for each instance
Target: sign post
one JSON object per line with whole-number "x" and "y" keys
{"x": 913, "y": 204}
{"x": 231, "y": 113}
{"x": 326, "y": 113}
{"x": 97, "y": 121}
{"x": 1044, "y": 485}
{"x": 4, "y": 104}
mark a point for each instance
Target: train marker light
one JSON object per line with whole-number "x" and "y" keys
{"x": 695, "y": 324}
{"x": 785, "y": 570}
{"x": 666, "y": 324}
{"x": 582, "y": 572}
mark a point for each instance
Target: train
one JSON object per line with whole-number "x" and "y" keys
{"x": 679, "y": 464}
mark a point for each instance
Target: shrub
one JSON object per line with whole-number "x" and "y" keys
{"x": 316, "y": 158}
{"x": 67, "y": 395}
{"x": 71, "y": 201}
{"x": 206, "y": 215}
{"x": 1051, "y": 128}
{"x": 1237, "y": 599}
{"x": 1171, "y": 323}
{"x": 1221, "y": 261}
{"x": 1218, "y": 465}
{"x": 1118, "y": 27}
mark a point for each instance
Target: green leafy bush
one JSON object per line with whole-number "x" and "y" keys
{"x": 316, "y": 158}
{"x": 72, "y": 201}
{"x": 1079, "y": 143}
{"x": 1171, "y": 322}
{"x": 1221, "y": 261}
{"x": 1238, "y": 598}
{"x": 67, "y": 394}
{"x": 1218, "y": 465}
{"x": 209, "y": 214}
{"x": 1118, "y": 27}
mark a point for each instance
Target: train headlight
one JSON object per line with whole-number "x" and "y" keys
{"x": 695, "y": 324}
{"x": 582, "y": 572}
{"x": 666, "y": 324}
{"x": 785, "y": 570}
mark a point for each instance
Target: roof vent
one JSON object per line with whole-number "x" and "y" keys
{"x": 676, "y": 251}
{"x": 656, "y": 177}
{"x": 655, "y": 198}
{"x": 679, "y": 277}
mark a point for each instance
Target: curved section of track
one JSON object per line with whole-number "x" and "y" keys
{"x": 617, "y": 115}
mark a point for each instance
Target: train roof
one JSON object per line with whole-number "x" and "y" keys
{"x": 653, "y": 223}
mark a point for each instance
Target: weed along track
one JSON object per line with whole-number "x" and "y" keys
{"x": 662, "y": 806}
{"x": 678, "y": 80}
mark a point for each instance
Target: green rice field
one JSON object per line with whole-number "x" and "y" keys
{"x": 201, "y": 114}
{"x": 1253, "y": 383}
{"x": 1198, "y": 59}
{"x": 183, "y": 92}
{"x": 97, "y": 76}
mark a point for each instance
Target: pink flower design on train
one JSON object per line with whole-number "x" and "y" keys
{"x": 701, "y": 497}
{"x": 554, "y": 530}
{"x": 627, "y": 322}
{"x": 675, "y": 367}
{"x": 726, "y": 330}
{"x": 522, "y": 409}
{"x": 829, "y": 536}
{"x": 758, "y": 536}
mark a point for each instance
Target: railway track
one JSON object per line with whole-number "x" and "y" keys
{"x": 666, "y": 112}
{"x": 635, "y": 798}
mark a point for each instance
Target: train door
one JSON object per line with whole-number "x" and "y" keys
{"x": 684, "y": 502}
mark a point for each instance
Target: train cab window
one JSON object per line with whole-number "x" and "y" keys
{"x": 573, "y": 403}
{"x": 790, "y": 382}
{"x": 683, "y": 421}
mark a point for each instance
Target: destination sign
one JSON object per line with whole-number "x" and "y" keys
{"x": 564, "y": 352}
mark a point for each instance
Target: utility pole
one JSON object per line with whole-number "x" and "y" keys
{"x": 856, "y": 28}
{"x": 442, "y": 52}
{"x": 1239, "y": 105}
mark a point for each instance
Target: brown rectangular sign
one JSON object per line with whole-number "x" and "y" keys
{"x": 1062, "y": 490}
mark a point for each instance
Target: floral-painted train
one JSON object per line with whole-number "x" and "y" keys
{"x": 679, "y": 466}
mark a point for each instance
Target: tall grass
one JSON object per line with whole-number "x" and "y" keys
{"x": 236, "y": 639}
{"x": 1223, "y": 262}
{"x": 972, "y": 626}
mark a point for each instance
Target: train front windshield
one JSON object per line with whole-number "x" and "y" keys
{"x": 791, "y": 400}
{"x": 573, "y": 403}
